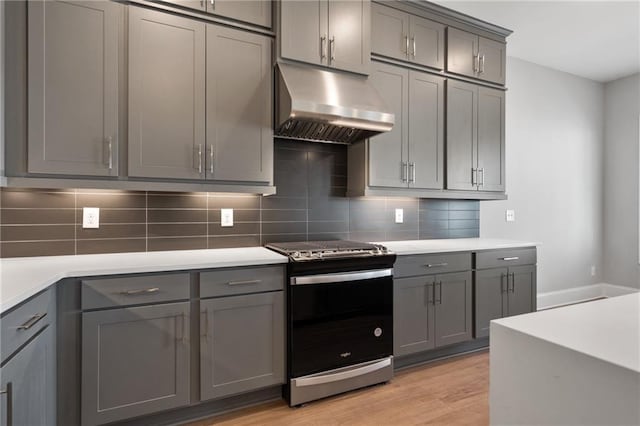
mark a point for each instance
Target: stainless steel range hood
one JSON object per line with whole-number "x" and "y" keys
{"x": 326, "y": 106}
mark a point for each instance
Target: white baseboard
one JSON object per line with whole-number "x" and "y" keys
{"x": 581, "y": 294}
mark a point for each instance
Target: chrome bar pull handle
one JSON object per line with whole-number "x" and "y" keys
{"x": 513, "y": 282}
{"x": 406, "y": 44}
{"x": 412, "y": 172}
{"x": 509, "y": 258}
{"x": 249, "y": 282}
{"x": 481, "y": 64}
{"x": 482, "y": 172}
{"x": 200, "y": 158}
{"x": 413, "y": 41}
{"x": 332, "y": 48}
{"x": 438, "y": 301}
{"x": 436, "y": 265}
{"x": 476, "y": 62}
{"x": 502, "y": 289}
{"x": 213, "y": 3}
{"x": 139, "y": 292}
{"x": 404, "y": 174}
{"x": 211, "y": 159}
{"x": 205, "y": 326}
{"x": 110, "y": 152}
{"x": 474, "y": 176}
{"x": 323, "y": 46}
{"x": 32, "y": 321}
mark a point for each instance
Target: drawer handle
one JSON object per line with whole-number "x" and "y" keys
{"x": 244, "y": 282}
{"x": 436, "y": 265}
{"x": 138, "y": 292}
{"x": 32, "y": 321}
{"x": 509, "y": 258}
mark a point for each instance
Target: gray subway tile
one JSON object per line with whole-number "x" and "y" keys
{"x": 36, "y": 232}
{"x": 177, "y": 201}
{"x": 183, "y": 215}
{"x": 37, "y": 216}
{"x": 178, "y": 243}
{"x": 464, "y": 233}
{"x": 116, "y": 245}
{"x": 217, "y": 201}
{"x": 34, "y": 199}
{"x": 37, "y": 248}
{"x": 230, "y": 241}
{"x": 112, "y": 200}
{"x": 464, "y": 224}
{"x": 111, "y": 231}
{"x": 248, "y": 228}
{"x": 177, "y": 230}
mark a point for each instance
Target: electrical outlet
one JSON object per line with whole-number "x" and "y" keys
{"x": 399, "y": 215}
{"x": 91, "y": 217}
{"x": 593, "y": 270}
{"x": 226, "y": 217}
{"x": 510, "y": 215}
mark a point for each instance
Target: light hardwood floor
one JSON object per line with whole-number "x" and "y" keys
{"x": 449, "y": 392}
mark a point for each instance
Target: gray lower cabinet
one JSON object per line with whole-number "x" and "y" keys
{"x": 166, "y": 95}
{"x": 333, "y": 33}
{"x": 242, "y": 344}
{"x": 407, "y": 37}
{"x": 135, "y": 361}
{"x": 432, "y": 311}
{"x": 73, "y": 69}
{"x": 239, "y": 106}
{"x": 411, "y": 154}
{"x": 475, "y": 56}
{"x": 256, "y": 12}
{"x": 503, "y": 292}
{"x": 27, "y": 384}
{"x": 475, "y": 137}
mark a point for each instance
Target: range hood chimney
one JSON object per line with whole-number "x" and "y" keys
{"x": 327, "y": 106}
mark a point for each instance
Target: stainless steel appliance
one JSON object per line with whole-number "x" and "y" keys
{"x": 339, "y": 317}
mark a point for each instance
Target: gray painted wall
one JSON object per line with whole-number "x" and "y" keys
{"x": 554, "y": 133}
{"x": 622, "y": 107}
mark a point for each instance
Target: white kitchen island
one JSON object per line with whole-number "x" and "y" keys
{"x": 575, "y": 365}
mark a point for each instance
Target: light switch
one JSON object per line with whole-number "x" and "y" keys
{"x": 510, "y": 215}
{"x": 226, "y": 217}
{"x": 91, "y": 217}
{"x": 399, "y": 215}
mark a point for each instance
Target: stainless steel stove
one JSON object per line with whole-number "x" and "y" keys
{"x": 339, "y": 317}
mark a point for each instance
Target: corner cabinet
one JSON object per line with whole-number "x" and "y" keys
{"x": 333, "y": 33}
{"x": 475, "y": 137}
{"x": 411, "y": 154}
{"x": 475, "y": 56}
{"x": 399, "y": 35}
{"x": 73, "y": 69}
{"x": 187, "y": 78}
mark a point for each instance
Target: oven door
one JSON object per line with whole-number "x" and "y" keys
{"x": 339, "y": 319}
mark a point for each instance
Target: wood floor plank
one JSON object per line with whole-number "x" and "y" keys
{"x": 450, "y": 392}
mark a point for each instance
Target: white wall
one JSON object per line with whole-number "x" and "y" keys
{"x": 622, "y": 107}
{"x": 554, "y": 147}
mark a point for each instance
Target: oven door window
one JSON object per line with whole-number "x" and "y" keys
{"x": 338, "y": 324}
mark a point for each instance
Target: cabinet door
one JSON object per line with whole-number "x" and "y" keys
{"x": 166, "y": 95}
{"x": 253, "y": 11}
{"x": 522, "y": 297}
{"x": 462, "y": 49}
{"x": 388, "y": 151}
{"x": 493, "y": 62}
{"x": 426, "y": 42}
{"x": 490, "y": 298}
{"x": 491, "y": 156}
{"x": 135, "y": 361}
{"x": 462, "y": 102}
{"x": 73, "y": 87}
{"x": 350, "y": 35}
{"x": 413, "y": 320}
{"x": 304, "y": 30}
{"x": 242, "y": 344}
{"x": 28, "y": 383}
{"x": 453, "y": 308}
{"x": 389, "y": 32}
{"x": 239, "y": 106}
{"x": 426, "y": 129}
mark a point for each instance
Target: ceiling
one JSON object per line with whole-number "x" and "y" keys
{"x": 599, "y": 40}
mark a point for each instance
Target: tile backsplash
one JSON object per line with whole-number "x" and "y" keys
{"x": 310, "y": 204}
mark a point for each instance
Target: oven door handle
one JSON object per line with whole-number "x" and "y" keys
{"x": 343, "y": 375}
{"x": 343, "y": 277}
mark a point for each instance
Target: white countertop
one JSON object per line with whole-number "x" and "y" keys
{"x": 607, "y": 329}
{"x": 22, "y": 277}
{"x": 452, "y": 245}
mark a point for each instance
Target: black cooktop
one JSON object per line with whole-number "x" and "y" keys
{"x": 316, "y": 250}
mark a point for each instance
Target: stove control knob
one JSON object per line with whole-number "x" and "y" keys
{"x": 377, "y": 332}
{"x": 295, "y": 254}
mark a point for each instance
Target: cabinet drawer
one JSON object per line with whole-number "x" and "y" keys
{"x": 504, "y": 258}
{"x": 125, "y": 291}
{"x": 224, "y": 282}
{"x": 20, "y": 324}
{"x": 422, "y": 264}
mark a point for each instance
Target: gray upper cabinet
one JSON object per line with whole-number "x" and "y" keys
{"x": 256, "y": 12}
{"x": 411, "y": 154}
{"x": 430, "y": 311}
{"x": 166, "y": 95}
{"x": 242, "y": 344}
{"x": 399, "y": 35}
{"x": 239, "y": 106}
{"x": 135, "y": 361}
{"x": 333, "y": 33}
{"x": 27, "y": 382}
{"x": 475, "y": 138}
{"x": 73, "y": 68}
{"x": 475, "y": 56}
